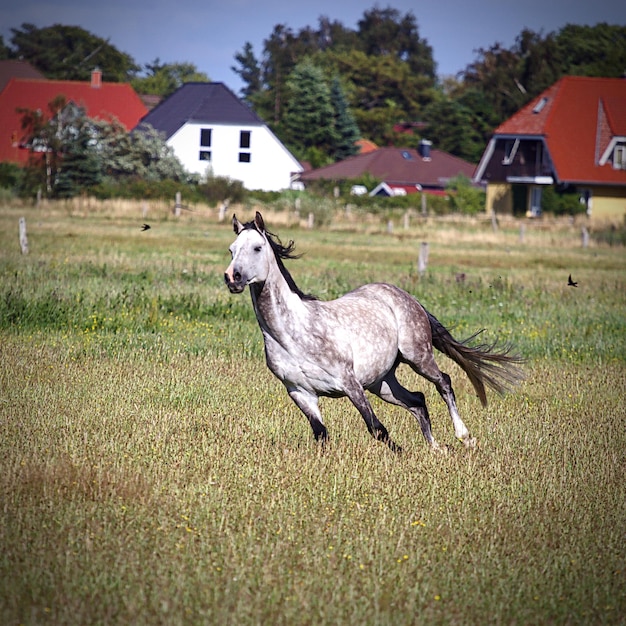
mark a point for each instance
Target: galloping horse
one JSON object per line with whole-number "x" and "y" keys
{"x": 355, "y": 343}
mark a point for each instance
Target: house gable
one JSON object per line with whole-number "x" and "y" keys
{"x": 212, "y": 132}
{"x": 579, "y": 121}
{"x": 205, "y": 103}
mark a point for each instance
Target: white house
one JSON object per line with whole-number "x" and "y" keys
{"x": 211, "y": 130}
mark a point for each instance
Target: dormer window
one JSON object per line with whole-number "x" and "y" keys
{"x": 510, "y": 150}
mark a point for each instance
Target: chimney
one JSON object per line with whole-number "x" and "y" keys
{"x": 424, "y": 149}
{"x": 96, "y": 78}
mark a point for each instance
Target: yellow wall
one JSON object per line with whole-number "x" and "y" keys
{"x": 499, "y": 198}
{"x": 609, "y": 203}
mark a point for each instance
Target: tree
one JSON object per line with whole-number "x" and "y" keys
{"x": 79, "y": 166}
{"x": 598, "y": 50}
{"x": 43, "y": 135}
{"x": 308, "y": 122}
{"x": 450, "y": 126}
{"x": 346, "y": 129}
{"x": 153, "y": 159}
{"x": 70, "y": 53}
{"x": 5, "y": 51}
{"x": 163, "y": 79}
{"x": 386, "y": 32}
{"x": 249, "y": 71}
{"x": 71, "y": 153}
{"x": 381, "y": 90}
{"x": 142, "y": 154}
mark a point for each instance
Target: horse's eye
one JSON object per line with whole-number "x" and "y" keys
{"x": 257, "y": 248}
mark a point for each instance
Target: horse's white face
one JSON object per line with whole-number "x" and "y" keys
{"x": 250, "y": 263}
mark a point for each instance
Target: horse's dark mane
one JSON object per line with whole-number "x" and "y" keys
{"x": 283, "y": 252}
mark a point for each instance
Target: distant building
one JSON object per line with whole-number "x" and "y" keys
{"x": 212, "y": 132}
{"x": 571, "y": 136}
{"x": 17, "y": 69}
{"x": 401, "y": 170}
{"x": 104, "y": 101}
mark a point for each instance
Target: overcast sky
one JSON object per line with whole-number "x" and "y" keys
{"x": 209, "y": 33}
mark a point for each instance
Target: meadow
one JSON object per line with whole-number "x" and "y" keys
{"x": 152, "y": 471}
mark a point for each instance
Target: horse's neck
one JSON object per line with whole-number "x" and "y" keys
{"x": 279, "y": 310}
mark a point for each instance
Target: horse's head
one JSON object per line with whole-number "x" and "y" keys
{"x": 251, "y": 255}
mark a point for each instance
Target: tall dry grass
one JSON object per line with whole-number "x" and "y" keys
{"x": 152, "y": 471}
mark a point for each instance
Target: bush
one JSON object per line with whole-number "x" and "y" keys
{"x": 220, "y": 188}
{"x": 464, "y": 198}
{"x": 561, "y": 202}
{"x": 11, "y": 176}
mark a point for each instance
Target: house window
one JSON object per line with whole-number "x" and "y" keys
{"x": 244, "y": 157}
{"x": 510, "y": 150}
{"x": 205, "y": 155}
{"x": 244, "y": 139}
{"x": 205, "y": 138}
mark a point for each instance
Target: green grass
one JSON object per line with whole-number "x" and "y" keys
{"x": 154, "y": 472}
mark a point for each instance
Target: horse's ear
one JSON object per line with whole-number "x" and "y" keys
{"x": 258, "y": 222}
{"x": 237, "y": 225}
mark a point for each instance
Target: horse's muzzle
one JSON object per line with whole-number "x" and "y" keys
{"x": 235, "y": 285}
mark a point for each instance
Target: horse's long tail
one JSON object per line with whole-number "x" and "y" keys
{"x": 489, "y": 364}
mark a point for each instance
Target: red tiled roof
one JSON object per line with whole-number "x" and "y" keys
{"x": 397, "y": 167}
{"x": 110, "y": 100}
{"x": 365, "y": 145}
{"x": 578, "y": 118}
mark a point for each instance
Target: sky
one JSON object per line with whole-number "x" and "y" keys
{"x": 209, "y": 33}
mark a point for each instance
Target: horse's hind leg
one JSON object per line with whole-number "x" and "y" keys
{"x": 428, "y": 368}
{"x": 390, "y": 390}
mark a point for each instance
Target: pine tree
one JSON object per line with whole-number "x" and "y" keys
{"x": 346, "y": 127}
{"x": 80, "y": 167}
{"x": 309, "y": 120}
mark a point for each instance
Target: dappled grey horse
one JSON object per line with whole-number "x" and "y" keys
{"x": 355, "y": 343}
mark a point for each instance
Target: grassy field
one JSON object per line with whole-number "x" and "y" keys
{"x": 152, "y": 471}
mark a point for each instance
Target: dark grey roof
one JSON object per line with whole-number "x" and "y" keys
{"x": 207, "y": 103}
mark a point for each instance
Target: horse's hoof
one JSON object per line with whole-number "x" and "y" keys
{"x": 470, "y": 443}
{"x": 439, "y": 449}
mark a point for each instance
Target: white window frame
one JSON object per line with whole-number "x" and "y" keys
{"x": 510, "y": 150}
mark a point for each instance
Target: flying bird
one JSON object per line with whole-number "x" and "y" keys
{"x": 570, "y": 282}
{"x": 145, "y": 227}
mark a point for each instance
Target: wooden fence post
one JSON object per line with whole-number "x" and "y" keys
{"x": 23, "y": 236}
{"x": 422, "y": 259}
{"x": 178, "y": 205}
{"x": 585, "y": 237}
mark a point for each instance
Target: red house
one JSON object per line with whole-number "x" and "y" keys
{"x": 573, "y": 137}
{"x": 104, "y": 101}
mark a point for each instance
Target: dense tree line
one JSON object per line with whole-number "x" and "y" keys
{"x": 388, "y": 74}
{"x": 322, "y": 87}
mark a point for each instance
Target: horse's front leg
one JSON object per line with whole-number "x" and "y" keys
{"x": 357, "y": 396}
{"x": 308, "y": 404}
